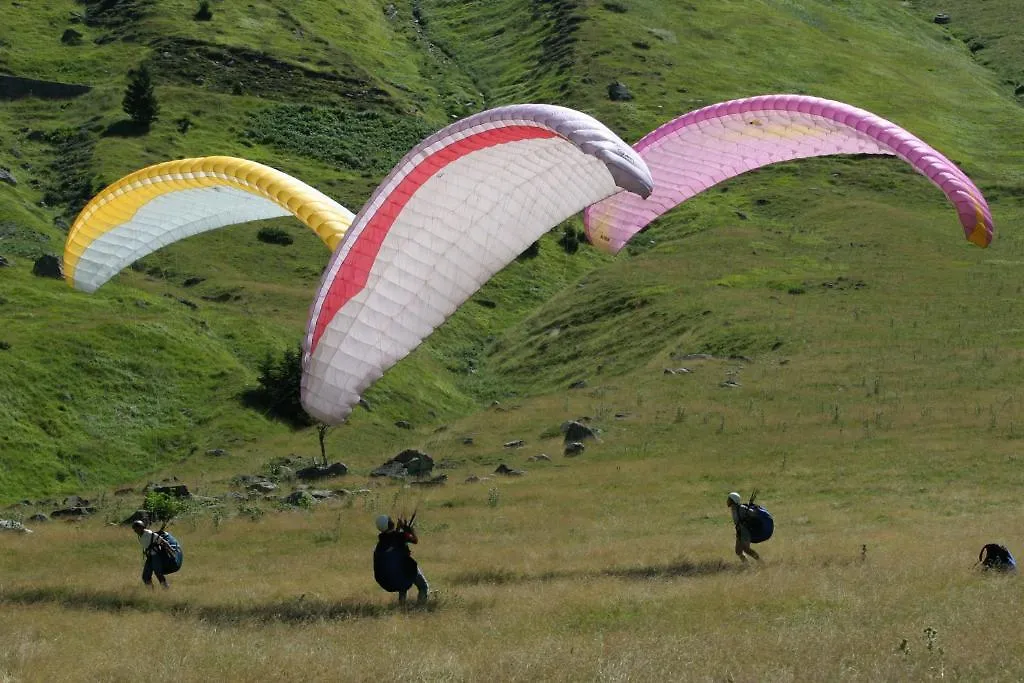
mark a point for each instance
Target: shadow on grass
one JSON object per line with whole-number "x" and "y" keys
{"x": 298, "y": 610}
{"x": 642, "y": 572}
{"x": 126, "y": 128}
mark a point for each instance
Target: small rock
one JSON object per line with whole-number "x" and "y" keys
{"x": 4, "y": 263}
{"x": 217, "y": 452}
{"x": 12, "y": 525}
{"x": 508, "y": 471}
{"x": 519, "y": 443}
{"x": 300, "y": 499}
{"x": 618, "y": 92}
{"x": 39, "y": 517}
{"x": 541, "y": 456}
{"x": 173, "y": 490}
{"x": 6, "y": 176}
{"x": 472, "y": 479}
{"x": 942, "y": 18}
{"x": 579, "y": 384}
{"x": 140, "y": 515}
{"x": 73, "y": 512}
{"x": 336, "y": 469}
{"x": 574, "y": 448}
{"x": 467, "y": 441}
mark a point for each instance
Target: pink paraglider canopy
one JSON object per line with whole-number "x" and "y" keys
{"x": 704, "y": 147}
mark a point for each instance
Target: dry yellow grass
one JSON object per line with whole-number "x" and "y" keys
{"x": 582, "y": 570}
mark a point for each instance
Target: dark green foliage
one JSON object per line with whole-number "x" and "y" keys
{"x": 204, "y": 13}
{"x": 162, "y": 507}
{"x": 274, "y": 236}
{"x": 114, "y": 14}
{"x": 280, "y": 388}
{"x": 530, "y": 252}
{"x": 69, "y": 182}
{"x": 139, "y": 99}
{"x": 370, "y": 141}
{"x": 571, "y": 239}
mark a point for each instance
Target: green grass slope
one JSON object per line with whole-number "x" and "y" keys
{"x": 145, "y": 375}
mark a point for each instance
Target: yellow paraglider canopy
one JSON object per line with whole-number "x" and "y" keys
{"x": 164, "y": 203}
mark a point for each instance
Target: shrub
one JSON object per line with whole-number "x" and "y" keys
{"x": 571, "y": 239}
{"x": 280, "y": 388}
{"x": 204, "y": 13}
{"x": 530, "y": 252}
{"x": 274, "y": 236}
{"x": 162, "y": 507}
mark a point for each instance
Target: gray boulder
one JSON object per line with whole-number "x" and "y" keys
{"x": 315, "y": 472}
{"x": 408, "y": 462}
{"x": 577, "y": 431}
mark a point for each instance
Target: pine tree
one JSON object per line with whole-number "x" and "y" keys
{"x": 139, "y": 99}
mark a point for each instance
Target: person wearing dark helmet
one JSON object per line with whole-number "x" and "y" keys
{"x": 150, "y": 542}
{"x": 394, "y": 567}
{"x": 741, "y": 515}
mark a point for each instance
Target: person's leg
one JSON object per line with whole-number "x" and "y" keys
{"x": 421, "y": 585}
{"x": 739, "y": 547}
{"x": 147, "y": 572}
{"x": 753, "y": 553}
{"x": 401, "y": 597}
{"x": 162, "y": 579}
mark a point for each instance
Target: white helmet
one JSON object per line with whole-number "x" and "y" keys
{"x": 383, "y": 522}
{"x": 735, "y": 498}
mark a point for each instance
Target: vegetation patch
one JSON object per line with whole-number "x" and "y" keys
{"x": 367, "y": 141}
{"x": 244, "y": 71}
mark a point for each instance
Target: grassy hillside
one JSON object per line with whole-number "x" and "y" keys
{"x": 335, "y": 97}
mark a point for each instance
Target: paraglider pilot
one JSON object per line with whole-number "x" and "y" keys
{"x": 150, "y": 542}
{"x": 740, "y": 517}
{"x": 393, "y": 565}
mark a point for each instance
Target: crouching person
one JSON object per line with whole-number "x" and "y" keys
{"x": 394, "y": 567}
{"x": 162, "y": 553}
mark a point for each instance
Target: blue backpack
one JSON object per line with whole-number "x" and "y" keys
{"x": 997, "y": 557}
{"x": 170, "y": 558}
{"x": 759, "y": 523}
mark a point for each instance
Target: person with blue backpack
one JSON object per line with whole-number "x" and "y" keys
{"x": 753, "y": 524}
{"x": 162, "y": 552}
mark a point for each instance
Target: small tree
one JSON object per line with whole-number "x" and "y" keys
{"x": 139, "y": 99}
{"x": 321, "y": 431}
{"x": 204, "y": 13}
{"x": 281, "y": 387}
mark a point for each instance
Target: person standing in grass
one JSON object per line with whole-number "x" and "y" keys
{"x": 394, "y": 567}
{"x": 150, "y": 542}
{"x": 741, "y": 515}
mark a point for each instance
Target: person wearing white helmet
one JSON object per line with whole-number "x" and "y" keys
{"x": 740, "y": 515}
{"x": 394, "y": 567}
{"x": 150, "y": 541}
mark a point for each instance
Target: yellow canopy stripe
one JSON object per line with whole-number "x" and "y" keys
{"x": 119, "y": 202}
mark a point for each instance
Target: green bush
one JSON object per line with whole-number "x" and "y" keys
{"x": 274, "y": 236}
{"x": 162, "y": 507}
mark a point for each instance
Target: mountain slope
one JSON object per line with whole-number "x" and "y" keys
{"x": 148, "y": 372}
